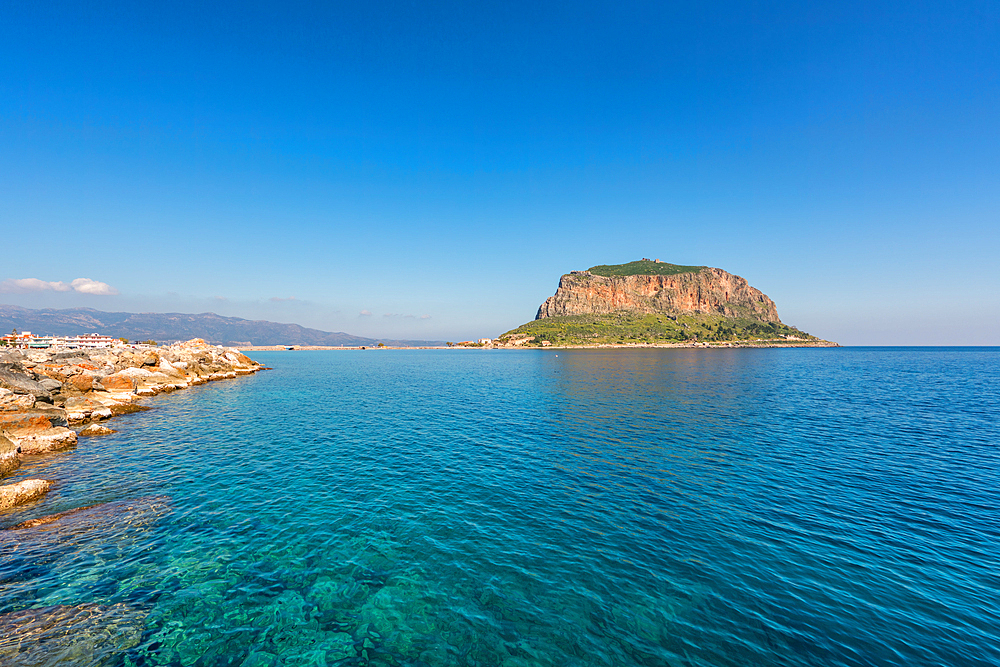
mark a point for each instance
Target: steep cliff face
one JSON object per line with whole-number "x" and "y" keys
{"x": 711, "y": 291}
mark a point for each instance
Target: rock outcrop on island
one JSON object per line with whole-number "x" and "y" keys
{"x": 45, "y": 392}
{"x": 704, "y": 290}
{"x": 649, "y": 302}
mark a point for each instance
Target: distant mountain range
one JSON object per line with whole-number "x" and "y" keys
{"x": 170, "y": 327}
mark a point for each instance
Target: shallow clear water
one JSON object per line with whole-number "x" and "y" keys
{"x": 646, "y": 507}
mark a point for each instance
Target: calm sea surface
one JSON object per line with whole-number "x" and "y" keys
{"x": 647, "y": 507}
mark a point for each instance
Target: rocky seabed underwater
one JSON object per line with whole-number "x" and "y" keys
{"x": 650, "y": 507}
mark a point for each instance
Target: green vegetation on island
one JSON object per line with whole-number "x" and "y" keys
{"x": 623, "y": 328}
{"x": 643, "y": 267}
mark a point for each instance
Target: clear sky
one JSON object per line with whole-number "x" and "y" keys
{"x": 430, "y": 169}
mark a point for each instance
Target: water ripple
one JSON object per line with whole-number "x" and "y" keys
{"x": 648, "y": 507}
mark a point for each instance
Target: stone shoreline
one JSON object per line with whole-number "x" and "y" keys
{"x": 51, "y": 397}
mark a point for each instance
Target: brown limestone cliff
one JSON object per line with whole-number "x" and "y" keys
{"x": 709, "y": 291}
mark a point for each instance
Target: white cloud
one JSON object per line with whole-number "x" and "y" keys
{"x": 425, "y": 317}
{"x": 278, "y": 298}
{"x": 82, "y": 285}
{"x": 17, "y": 285}
{"x": 365, "y": 313}
{"x": 88, "y": 286}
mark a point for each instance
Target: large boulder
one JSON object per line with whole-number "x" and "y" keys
{"x": 96, "y": 429}
{"x": 51, "y": 385}
{"x": 119, "y": 383}
{"x": 9, "y": 456}
{"x": 49, "y": 440}
{"x": 11, "y": 357}
{"x": 19, "y": 383}
{"x": 12, "y": 495}
{"x": 11, "y": 401}
{"x": 82, "y": 382}
{"x": 80, "y": 408}
{"x": 33, "y": 420}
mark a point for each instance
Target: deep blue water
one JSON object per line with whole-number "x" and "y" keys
{"x": 643, "y": 507}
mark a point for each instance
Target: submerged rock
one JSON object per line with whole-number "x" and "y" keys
{"x": 97, "y": 429}
{"x": 85, "y": 634}
{"x": 128, "y": 408}
{"x": 135, "y": 513}
{"x": 24, "y": 491}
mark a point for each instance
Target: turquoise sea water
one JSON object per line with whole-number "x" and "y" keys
{"x": 646, "y": 507}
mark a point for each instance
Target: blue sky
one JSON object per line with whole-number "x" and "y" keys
{"x": 429, "y": 170}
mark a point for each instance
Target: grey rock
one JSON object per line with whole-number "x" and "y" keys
{"x": 19, "y": 383}
{"x": 74, "y": 402}
{"x": 70, "y": 358}
{"x": 50, "y": 384}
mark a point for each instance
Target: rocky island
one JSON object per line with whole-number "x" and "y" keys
{"x": 50, "y": 397}
{"x": 649, "y": 302}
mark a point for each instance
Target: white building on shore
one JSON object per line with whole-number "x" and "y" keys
{"x": 25, "y": 339}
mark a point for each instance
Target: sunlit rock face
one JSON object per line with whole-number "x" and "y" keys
{"x": 12, "y": 495}
{"x": 710, "y": 291}
{"x": 10, "y": 459}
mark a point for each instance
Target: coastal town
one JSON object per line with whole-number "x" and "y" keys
{"x": 27, "y": 340}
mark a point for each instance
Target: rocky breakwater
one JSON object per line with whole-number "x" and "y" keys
{"x": 703, "y": 291}
{"x": 47, "y": 395}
